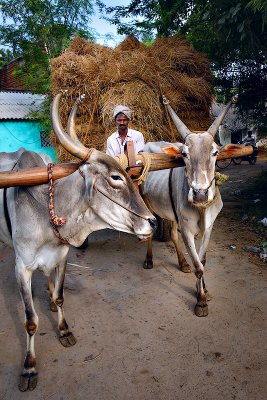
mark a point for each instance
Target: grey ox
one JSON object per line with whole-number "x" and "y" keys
{"x": 98, "y": 195}
{"x": 187, "y": 196}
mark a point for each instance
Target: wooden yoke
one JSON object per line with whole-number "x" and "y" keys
{"x": 38, "y": 175}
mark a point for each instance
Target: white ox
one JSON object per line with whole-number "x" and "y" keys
{"x": 187, "y": 196}
{"x": 100, "y": 194}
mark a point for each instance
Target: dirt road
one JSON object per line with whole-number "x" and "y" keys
{"x": 137, "y": 335}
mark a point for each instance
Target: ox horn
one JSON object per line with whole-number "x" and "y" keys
{"x": 217, "y": 122}
{"x": 71, "y": 121}
{"x": 181, "y": 127}
{"x": 71, "y": 144}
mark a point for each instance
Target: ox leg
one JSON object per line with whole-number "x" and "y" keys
{"x": 185, "y": 267}
{"x": 202, "y": 255}
{"x": 201, "y": 308}
{"x": 208, "y": 295}
{"x": 29, "y": 376}
{"x": 66, "y": 337}
{"x": 51, "y": 288}
{"x": 148, "y": 263}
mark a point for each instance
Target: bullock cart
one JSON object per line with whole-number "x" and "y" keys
{"x": 93, "y": 194}
{"x": 136, "y": 166}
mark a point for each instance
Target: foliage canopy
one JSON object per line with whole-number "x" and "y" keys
{"x": 40, "y": 30}
{"x": 232, "y": 33}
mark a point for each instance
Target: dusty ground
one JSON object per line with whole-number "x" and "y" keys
{"x": 137, "y": 335}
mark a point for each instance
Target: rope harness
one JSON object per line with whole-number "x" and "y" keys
{"x": 55, "y": 220}
{"x": 122, "y": 160}
{"x": 147, "y": 203}
{"x": 171, "y": 197}
{"x": 119, "y": 204}
{"x": 6, "y": 213}
{"x": 147, "y": 164}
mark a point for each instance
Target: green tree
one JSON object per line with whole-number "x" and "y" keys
{"x": 39, "y": 30}
{"x": 232, "y": 33}
{"x": 162, "y": 18}
{"x": 5, "y": 56}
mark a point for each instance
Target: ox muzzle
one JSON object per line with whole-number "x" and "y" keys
{"x": 200, "y": 197}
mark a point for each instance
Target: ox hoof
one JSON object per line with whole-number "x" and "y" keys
{"x": 28, "y": 381}
{"x": 148, "y": 264}
{"x": 67, "y": 340}
{"x": 186, "y": 268}
{"x": 201, "y": 310}
{"x": 53, "y": 306}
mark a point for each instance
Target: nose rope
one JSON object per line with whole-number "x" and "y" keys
{"x": 213, "y": 179}
{"x": 190, "y": 183}
{"x": 119, "y": 204}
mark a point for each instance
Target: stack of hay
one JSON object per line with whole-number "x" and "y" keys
{"x": 134, "y": 75}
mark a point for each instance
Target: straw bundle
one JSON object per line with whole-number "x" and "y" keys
{"x": 137, "y": 76}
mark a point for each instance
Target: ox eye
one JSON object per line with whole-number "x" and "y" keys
{"x": 184, "y": 154}
{"x": 215, "y": 153}
{"x": 116, "y": 177}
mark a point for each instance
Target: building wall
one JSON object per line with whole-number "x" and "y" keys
{"x": 7, "y": 79}
{"x": 224, "y": 135}
{"x": 16, "y": 134}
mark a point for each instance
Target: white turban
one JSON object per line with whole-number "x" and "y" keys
{"x": 122, "y": 109}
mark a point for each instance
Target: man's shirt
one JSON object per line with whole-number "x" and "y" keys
{"x": 115, "y": 147}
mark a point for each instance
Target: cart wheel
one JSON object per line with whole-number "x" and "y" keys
{"x": 222, "y": 164}
{"x": 237, "y": 160}
{"x": 252, "y": 160}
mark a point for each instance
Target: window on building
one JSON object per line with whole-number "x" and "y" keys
{"x": 45, "y": 141}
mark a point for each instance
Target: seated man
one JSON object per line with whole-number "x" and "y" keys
{"x": 116, "y": 142}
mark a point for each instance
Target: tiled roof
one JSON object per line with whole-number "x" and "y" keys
{"x": 19, "y": 105}
{"x": 8, "y": 80}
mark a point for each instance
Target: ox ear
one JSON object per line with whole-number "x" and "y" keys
{"x": 173, "y": 149}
